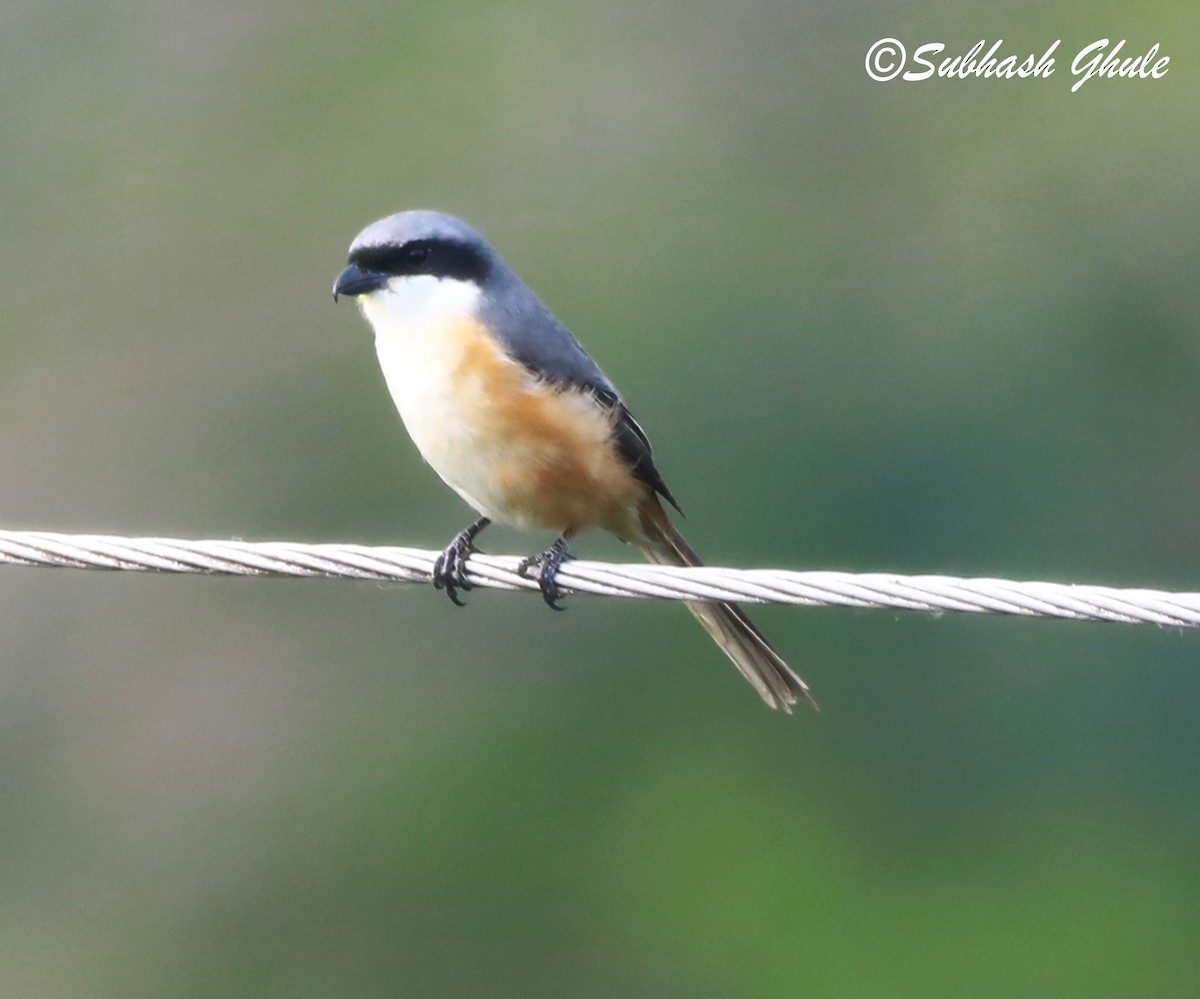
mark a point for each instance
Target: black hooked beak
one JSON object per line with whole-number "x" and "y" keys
{"x": 356, "y": 281}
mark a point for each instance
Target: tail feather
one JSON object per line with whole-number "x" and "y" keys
{"x": 726, "y": 623}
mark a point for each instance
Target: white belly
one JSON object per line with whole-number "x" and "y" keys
{"x": 420, "y": 357}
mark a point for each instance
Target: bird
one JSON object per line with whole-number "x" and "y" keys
{"x": 514, "y": 415}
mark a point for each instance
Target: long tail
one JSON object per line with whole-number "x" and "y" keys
{"x": 728, "y": 624}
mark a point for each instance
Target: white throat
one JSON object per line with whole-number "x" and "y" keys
{"x": 411, "y": 316}
{"x": 418, "y": 300}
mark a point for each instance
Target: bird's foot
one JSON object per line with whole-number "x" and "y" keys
{"x": 450, "y": 568}
{"x": 550, "y": 561}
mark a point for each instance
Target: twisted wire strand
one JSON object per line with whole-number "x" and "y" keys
{"x": 778, "y": 586}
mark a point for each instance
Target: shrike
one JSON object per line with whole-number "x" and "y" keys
{"x": 517, "y": 419}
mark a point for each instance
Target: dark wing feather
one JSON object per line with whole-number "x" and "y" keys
{"x": 632, "y": 441}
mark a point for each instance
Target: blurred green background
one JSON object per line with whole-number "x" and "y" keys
{"x": 937, "y": 327}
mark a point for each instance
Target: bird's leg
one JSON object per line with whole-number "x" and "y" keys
{"x": 551, "y": 561}
{"x": 450, "y": 569}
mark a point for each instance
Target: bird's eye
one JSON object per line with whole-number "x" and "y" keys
{"x": 415, "y": 256}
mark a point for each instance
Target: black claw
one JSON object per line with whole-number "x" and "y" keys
{"x": 450, "y": 568}
{"x": 550, "y": 561}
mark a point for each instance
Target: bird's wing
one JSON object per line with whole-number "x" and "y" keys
{"x": 631, "y": 439}
{"x": 555, "y": 356}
